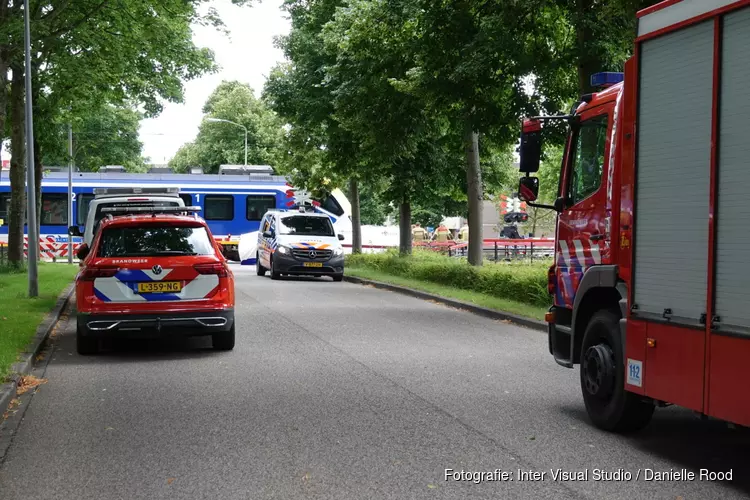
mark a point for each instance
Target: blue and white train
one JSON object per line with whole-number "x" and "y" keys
{"x": 232, "y": 204}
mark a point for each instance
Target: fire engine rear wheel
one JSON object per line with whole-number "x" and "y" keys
{"x": 608, "y": 404}
{"x": 259, "y": 270}
{"x": 86, "y": 345}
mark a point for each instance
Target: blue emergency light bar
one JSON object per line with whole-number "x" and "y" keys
{"x": 606, "y": 79}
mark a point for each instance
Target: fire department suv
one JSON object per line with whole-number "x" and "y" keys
{"x": 299, "y": 243}
{"x": 150, "y": 274}
{"x": 651, "y": 280}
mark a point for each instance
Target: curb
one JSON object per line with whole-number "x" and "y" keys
{"x": 23, "y": 367}
{"x": 458, "y": 304}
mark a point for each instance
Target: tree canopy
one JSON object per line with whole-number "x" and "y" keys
{"x": 220, "y": 142}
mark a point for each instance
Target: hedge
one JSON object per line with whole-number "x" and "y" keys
{"x": 522, "y": 282}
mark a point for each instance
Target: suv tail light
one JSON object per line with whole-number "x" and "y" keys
{"x": 217, "y": 268}
{"x": 91, "y": 273}
{"x": 551, "y": 280}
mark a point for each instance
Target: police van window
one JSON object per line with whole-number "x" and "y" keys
{"x": 588, "y": 159}
{"x": 218, "y": 207}
{"x": 84, "y": 201}
{"x": 187, "y": 199}
{"x": 258, "y": 205}
{"x": 306, "y": 225}
{"x": 154, "y": 240}
{"x": 54, "y": 209}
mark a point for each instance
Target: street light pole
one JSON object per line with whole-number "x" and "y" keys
{"x": 70, "y": 191}
{"x": 30, "y": 184}
{"x": 233, "y": 123}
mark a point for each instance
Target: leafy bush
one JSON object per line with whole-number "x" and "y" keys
{"x": 523, "y": 282}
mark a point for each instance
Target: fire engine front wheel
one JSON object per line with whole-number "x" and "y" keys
{"x": 608, "y": 404}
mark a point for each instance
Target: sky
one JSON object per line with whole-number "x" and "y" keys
{"x": 247, "y": 55}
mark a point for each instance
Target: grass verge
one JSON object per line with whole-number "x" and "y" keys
{"x": 476, "y": 298}
{"x": 19, "y": 315}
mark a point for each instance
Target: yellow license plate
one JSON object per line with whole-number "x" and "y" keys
{"x": 313, "y": 264}
{"x": 160, "y": 287}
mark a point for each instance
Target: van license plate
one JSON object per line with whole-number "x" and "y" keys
{"x": 313, "y": 264}
{"x": 160, "y": 287}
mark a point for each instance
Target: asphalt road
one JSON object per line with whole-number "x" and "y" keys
{"x": 339, "y": 391}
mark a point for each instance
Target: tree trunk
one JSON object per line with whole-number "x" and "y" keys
{"x": 38, "y": 174}
{"x": 3, "y": 91}
{"x": 533, "y": 222}
{"x": 404, "y": 227}
{"x": 474, "y": 194}
{"x": 356, "y": 218}
{"x": 17, "y": 208}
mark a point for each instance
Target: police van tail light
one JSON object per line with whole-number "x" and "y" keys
{"x": 217, "y": 268}
{"x": 551, "y": 280}
{"x": 91, "y": 273}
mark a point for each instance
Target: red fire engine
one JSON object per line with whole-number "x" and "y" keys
{"x": 651, "y": 279}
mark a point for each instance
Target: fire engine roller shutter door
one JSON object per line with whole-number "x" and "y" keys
{"x": 733, "y": 212}
{"x": 673, "y": 173}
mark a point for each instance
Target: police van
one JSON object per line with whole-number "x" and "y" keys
{"x": 299, "y": 242}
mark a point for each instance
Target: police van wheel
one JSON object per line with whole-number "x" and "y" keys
{"x": 223, "y": 341}
{"x": 608, "y": 404}
{"x": 86, "y": 345}
{"x": 259, "y": 270}
{"x": 274, "y": 274}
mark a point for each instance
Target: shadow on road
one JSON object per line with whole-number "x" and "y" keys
{"x": 135, "y": 350}
{"x": 680, "y": 436}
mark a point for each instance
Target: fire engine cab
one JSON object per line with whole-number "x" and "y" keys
{"x": 651, "y": 281}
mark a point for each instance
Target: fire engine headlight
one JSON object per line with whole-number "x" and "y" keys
{"x": 283, "y": 249}
{"x": 338, "y": 251}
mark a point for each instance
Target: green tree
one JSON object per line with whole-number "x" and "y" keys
{"x": 220, "y": 143}
{"x": 90, "y": 52}
{"x": 317, "y": 147}
{"x": 106, "y": 137}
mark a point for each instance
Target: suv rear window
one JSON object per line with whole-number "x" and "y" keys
{"x": 98, "y": 216}
{"x": 306, "y": 225}
{"x": 154, "y": 241}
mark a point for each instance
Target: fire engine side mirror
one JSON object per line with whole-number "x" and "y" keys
{"x": 528, "y": 188}
{"x": 83, "y": 251}
{"x": 531, "y": 146}
{"x": 74, "y": 231}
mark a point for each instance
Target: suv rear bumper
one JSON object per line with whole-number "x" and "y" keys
{"x": 156, "y": 324}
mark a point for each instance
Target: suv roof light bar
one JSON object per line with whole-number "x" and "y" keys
{"x": 149, "y": 210}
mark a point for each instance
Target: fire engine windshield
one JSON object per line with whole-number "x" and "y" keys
{"x": 306, "y": 225}
{"x": 153, "y": 241}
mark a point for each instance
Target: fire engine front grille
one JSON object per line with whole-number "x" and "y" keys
{"x": 317, "y": 255}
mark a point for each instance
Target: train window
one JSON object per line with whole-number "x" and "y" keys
{"x": 218, "y": 207}
{"x": 84, "y": 201}
{"x": 258, "y": 205}
{"x": 54, "y": 209}
{"x": 4, "y": 205}
{"x": 5, "y": 209}
{"x": 187, "y": 199}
